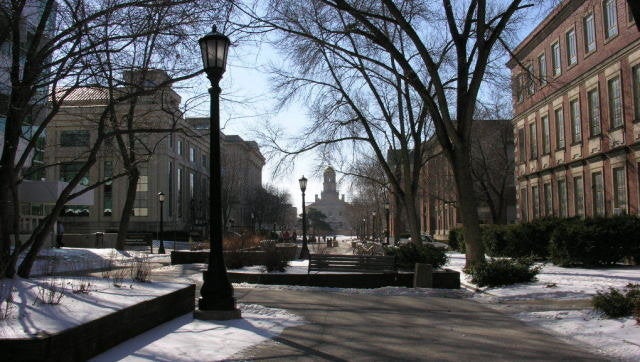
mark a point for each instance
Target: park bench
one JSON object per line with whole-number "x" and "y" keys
{"x": 377, "y": 264}
{"x": 135, "y": 239}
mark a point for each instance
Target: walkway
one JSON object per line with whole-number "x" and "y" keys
{"x": 351, "y": 327}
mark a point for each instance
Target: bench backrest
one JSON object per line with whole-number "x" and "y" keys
{"x": 352, "y": 263}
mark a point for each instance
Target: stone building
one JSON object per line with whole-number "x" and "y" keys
{"x": 331, "y": 205}
{"x": 174, "y": 163}
{"x": 577, "y": 106}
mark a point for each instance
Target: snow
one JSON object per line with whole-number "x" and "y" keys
{"x": 184, "y": 336}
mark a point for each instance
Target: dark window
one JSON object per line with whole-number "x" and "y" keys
{"x": 593, "y": 100}
{"x": 76, "y": 138}
{"x": 559, "y": 115}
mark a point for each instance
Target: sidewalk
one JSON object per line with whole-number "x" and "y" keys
{"x": 351, "y": 327}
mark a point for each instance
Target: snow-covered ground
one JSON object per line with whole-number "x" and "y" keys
{"x": 181, "y": 338}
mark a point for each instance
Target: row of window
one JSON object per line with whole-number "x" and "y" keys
{"x": 614, "y": 113}
{"x": 539, "y": 202}
{"x": 181, "y": 149}
{"x": 525, "y": 83}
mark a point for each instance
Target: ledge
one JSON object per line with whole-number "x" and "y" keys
{"x": 90, "y": 339}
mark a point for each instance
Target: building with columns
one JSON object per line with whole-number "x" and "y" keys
{"x": 576, "y": 112}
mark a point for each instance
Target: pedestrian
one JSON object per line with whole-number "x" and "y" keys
{"x": 59, "y": 235}
{"x": 294, "y": 236}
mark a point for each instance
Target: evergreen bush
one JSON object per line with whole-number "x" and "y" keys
{"x": 499, "y": 272}
{"x": 456, "y": 240}
{"x": 409, "y": 254}
{"x": 616, "y": 304}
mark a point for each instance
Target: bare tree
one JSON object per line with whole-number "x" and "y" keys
{"x": 66, "y": 46}
{"x": 380, "y": 73}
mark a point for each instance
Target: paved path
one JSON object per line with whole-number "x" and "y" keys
{"x": 346, "y": 327}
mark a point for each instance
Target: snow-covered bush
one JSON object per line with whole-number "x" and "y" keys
{"x": 6, "y": 298}
{"x": 499, "y": 272}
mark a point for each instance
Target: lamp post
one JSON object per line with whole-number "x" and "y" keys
{"x": 304, "y": 253}
{"x": 364, "y": 229}
{"x": 373, "y": 226}
{"x": 386, "y": 212}
{"x": 253, "y": 224}
{"x": 161, "y": 200}
{"x": 217, "y": 301}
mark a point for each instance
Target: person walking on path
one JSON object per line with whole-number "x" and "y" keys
{"x": 59, "y": 235}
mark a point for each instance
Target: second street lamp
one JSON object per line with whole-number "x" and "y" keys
{"x": 386, "y": 211}
{"x": 217, "y": 300}
{"x": 304, "y": 253}
{"x": 160, "y": 234}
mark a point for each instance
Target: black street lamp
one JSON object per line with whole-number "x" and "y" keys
{"x": 217, "y": 300}
{"x": 161, "y": 200}
{"x": 373, "y": 226}
{"x": 304, "y": 253}
{"x": 364, "y": 229}
{"x": 386, "y": 211}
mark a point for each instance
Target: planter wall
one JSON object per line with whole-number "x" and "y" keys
{"x": 87, "y": 340}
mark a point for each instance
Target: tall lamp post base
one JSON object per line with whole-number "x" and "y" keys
{"x": 217, "y": 302}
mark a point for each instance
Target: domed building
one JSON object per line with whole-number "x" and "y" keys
{"x": 332, "y": 205}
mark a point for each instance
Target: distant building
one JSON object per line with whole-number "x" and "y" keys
{"x": 331, "y": 205}
{"x": 491, "y": 162}
{"x": 577, "y": 105}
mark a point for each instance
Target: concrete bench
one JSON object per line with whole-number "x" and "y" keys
{"x": 380, "y": 264}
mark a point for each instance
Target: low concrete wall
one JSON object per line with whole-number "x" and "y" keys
{"x": 442, "y": 279}
{"x": 252, "y": 257}
{"x": 88, "y": 340}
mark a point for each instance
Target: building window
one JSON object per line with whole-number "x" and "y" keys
{"x": 522, "y": 157}
{"x": 576, "y": 126}
{"x": 546, "y": 136}
{"x": 180, "y": 147}
{"x": 578, "y": 195}
{"x": 179, "y": 192}
{"x": 589, "y": 33}
{"x": 593, "y": 102}
{"x": 598, "y": 193}
{"x": 555, "y": 59}
{"x": 562, "y": 198}
{"x": 636, "y": 91}
{"x": 535, "y": 201}
{"x": 531, "y": 85}
{"x": 533, "y": 142}
{"x": 76, "y": 138}
{"x": 619, "y": 190}
{"x": 548, "y": 199}
{"x": 615, "y": 102}
{"x": 69, "y": 170}
{"x": 523, "y": 204}
{"x": 192, "y": 154}
{"x": 610, "y": 15}
{"x": 542, "y": 69}
{"x": 107, "y": 202}
{"x": 559, "y": 116}
{"x": 572, "y": 54}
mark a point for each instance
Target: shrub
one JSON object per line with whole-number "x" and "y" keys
{"x": 409, "y": 254}
{"x": 456, "y": 240}
{"x": 616, "y": 304}
{"x": 597, "y": 241}
{"x": 498, "y": 272}
{"x": 275, "y": 260}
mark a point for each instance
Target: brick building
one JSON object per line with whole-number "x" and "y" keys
{"x": 577, "y": 110}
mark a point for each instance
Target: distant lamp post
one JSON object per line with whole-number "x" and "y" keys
{"x": 386, "y": 211}
{"x": 253, "y": 224}
{"x": 217, "y": 300}
{"x": 373, "y": 225}
{"x": 231, "y": 222}
{"x": 364, "y": 229}
{"x": 304, "y": 253}
{"x": 161, "y": 233}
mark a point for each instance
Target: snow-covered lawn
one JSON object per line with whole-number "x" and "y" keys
{"x": 618, "y": 338}
{"x": 182, "y": 339}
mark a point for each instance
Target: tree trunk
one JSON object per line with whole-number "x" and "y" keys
{"x": 468, "y": 206}
{"x": 123, "y": 228}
